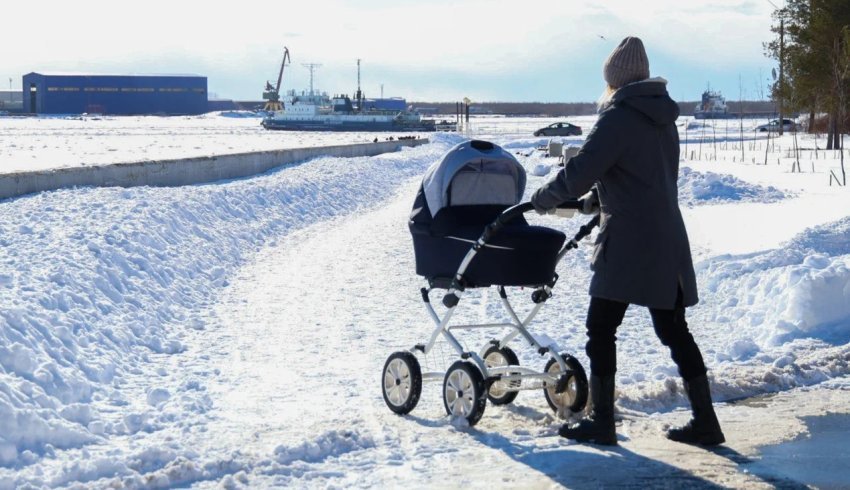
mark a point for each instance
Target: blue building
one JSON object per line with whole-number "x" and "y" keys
{"x": 391, "y": 104}
{"x": 76, "y": 93}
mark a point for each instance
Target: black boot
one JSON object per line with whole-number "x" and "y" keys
{"x": 598, "y": 425}
{"x": 703, "y": 428}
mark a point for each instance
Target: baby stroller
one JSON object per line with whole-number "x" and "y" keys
{"x": 469, "y": 232}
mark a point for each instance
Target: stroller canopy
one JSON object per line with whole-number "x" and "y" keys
{"x": 474, "y": 172}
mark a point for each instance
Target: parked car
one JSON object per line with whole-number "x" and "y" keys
{"x": 773, "y": 126}
{"x": 559, "y": 129}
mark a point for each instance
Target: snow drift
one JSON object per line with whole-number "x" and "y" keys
{"x": 97, "y": 281}
{"x": 797, "y": 291}
{"x": 697, "y": 188}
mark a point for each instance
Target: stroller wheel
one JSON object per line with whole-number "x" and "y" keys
{"x": 575, "y": 396}
{"x": 401, "y": 382}
{"x": 499, "y": 393}
{"x": 464, "y": 394}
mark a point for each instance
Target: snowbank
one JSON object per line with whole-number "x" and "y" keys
{"x": 697, "y": 188}
{"x": 767, "y": 321}
{"x": 800, "y": 290}
{"x": 96, "y": 282}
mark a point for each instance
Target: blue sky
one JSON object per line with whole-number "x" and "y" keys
{"x": 436, "y": 50}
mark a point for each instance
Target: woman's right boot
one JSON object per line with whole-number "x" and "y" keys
{"x": 703, "y": 428}
{"x": 597, "y": 426}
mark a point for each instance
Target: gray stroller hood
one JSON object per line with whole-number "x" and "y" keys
{"x": 474, "y": 172}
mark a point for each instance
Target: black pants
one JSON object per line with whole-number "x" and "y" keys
{"x": 603, "y": 318}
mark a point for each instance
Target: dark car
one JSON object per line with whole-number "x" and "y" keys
{"x": 773, "y": 126}
{"x": 559, "y": 129}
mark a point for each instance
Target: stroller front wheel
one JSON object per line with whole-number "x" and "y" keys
{"x": 499, "y": 393}
{"x": 401, "y": 382}
{"x": 464, "y": 394}
{"x": 574, "y": 397}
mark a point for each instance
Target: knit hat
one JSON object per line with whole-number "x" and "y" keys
{"x": 626, "y": 64}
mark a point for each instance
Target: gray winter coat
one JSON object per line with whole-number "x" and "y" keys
{"x": 642, "y": 253}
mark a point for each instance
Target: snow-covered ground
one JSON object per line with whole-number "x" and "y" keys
{"x": 46, "y": 143}
{"x": 232, "y": 334}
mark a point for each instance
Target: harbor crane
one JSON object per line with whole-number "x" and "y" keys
{"x": 272, "y": 93}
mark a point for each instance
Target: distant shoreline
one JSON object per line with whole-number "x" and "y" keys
{"x": 543, "y": 109}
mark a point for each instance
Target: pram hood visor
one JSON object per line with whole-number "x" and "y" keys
{"x": 471, "y": 173}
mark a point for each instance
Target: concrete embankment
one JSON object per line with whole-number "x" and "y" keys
{"x": 183, "y": 171}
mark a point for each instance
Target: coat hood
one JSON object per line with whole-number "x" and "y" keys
{"x": 650, "y": 98}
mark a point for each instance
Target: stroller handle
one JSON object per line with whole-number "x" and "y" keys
{"x": 517, "y": 210}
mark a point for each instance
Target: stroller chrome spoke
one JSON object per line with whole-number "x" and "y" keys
{"x": 451, "y": 397}
{"x": 466, "y": 402}
{"x": 454, "y": 382}
{"x": 392, "y": 394}
{"x": 458, "y": 408}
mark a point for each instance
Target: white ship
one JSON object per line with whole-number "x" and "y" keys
{"x": 712, "y": 106}
{"x": 317, "y": 112}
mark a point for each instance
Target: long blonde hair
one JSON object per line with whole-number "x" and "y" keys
{"x": 605, "y": 99}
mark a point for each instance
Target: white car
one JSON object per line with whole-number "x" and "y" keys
{"x": 773, "y": 126}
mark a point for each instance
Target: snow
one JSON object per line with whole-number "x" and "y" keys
{"x": 46, "y": 143}
{"x": 709, "y": 187}
{"x": 231, "y": 334}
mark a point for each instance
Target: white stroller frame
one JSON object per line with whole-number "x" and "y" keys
{"x": 562, "y": 373}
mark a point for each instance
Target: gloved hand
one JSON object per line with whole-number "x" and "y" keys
{"x": 541, "y": 201}
{"x": 590, "y": 202}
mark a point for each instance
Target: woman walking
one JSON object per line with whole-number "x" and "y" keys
{"x": 627, "y": 169}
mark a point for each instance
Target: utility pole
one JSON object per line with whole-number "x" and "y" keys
{"x": 312, "y": 67}
{"x": 781, "y": 68}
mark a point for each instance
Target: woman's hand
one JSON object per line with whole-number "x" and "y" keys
{"x": 590, "y": 202}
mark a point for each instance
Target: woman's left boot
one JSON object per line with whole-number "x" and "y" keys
{"x": 703, "y": 428}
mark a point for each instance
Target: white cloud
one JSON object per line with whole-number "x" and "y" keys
{"x": 487, "y": 37}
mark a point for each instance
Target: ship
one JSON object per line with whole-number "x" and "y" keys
{"x": 318, "y": 112}
{"x": 712, "y": 106}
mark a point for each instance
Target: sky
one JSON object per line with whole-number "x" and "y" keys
{"x": 425, "y": 50}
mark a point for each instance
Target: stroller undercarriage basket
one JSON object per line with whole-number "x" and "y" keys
{"x": 469, "y": 232}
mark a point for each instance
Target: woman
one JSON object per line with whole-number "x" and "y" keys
{"x": 642, "y": 256}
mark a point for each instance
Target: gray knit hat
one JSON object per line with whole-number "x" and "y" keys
{"x": 626, "y": 64}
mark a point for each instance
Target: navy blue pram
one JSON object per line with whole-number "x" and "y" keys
{"x": 469, "y": 232}
{"x": 473, "y": 184}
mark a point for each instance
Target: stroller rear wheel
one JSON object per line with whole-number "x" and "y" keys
{"x": 401, "y": 382}
{"x": 574, "y": 397}
{"x": 496, "y": 357}
{"x": 464, "y": 394}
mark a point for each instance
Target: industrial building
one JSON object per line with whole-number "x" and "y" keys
{"x": 77, "y": 93}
